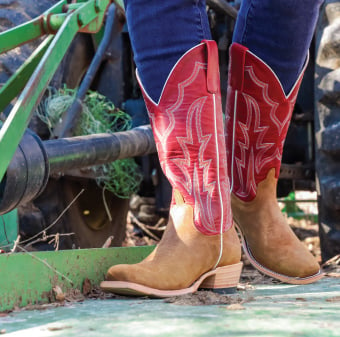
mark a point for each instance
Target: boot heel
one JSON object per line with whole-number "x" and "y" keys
{"x": 223, "y": 278}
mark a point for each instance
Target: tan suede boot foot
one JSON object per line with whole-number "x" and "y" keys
{"x": 269, "y": 242}
{"x": 177, "y": 264}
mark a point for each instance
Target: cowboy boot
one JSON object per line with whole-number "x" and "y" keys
{"x": 200, "y": 247}
{"x": 258, "y": 116}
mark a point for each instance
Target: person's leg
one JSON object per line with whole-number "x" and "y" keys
{"x": 179, "y": 78}
{"x": 267, "y": 62}
{"x": 279, "y": 32}
{"x": 161, "y": 32}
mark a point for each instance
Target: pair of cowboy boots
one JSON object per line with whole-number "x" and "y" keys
{"x": 200, "y": 247}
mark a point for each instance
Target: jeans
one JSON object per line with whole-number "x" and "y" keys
{"x": 278, "y": 31}
{"x": 161, "y": 31}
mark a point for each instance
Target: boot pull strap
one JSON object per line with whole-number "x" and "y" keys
{"x": 213, "y": 74}
{"x": 237, "y": 61}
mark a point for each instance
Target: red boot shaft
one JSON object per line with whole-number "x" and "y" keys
{"x": 188, "y": 128}
{"x": 258, "y": 116}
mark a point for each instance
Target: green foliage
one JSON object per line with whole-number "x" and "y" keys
{"x": 99, "y": 115}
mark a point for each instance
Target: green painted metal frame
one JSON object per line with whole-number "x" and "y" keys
{"x": 27, "y": 31}
{"x": 29, "y": 278}
{"x": 29, "y": 82}
{"x": 19, "y": 79}
{"x": 87, "y": 17}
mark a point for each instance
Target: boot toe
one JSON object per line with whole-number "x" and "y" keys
{"x": 118, "y": 272}
{"x": 293, "y": 264}
{"x": 299, "y": 261}
{"x": 308, "y": 267}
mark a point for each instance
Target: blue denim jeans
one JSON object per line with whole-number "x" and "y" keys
{"x": 161, "y": 31}
{"x": 278, "y": 31}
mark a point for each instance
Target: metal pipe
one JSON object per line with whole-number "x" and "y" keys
{"x": 34, "y": 160}
{"x": 77, "y": 152}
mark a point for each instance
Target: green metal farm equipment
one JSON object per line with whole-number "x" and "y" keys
{"x": 28, "y": 162}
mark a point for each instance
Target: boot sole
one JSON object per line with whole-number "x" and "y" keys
{"x": 271, "y": 273}
{"x": 219, "y": 279}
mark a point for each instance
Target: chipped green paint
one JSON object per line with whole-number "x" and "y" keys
{"x": 28, "y": 278}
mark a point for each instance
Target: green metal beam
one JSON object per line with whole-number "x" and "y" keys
{"x": 28, "y": 278}
{"x": 28, "y": 31}
{"x": 19, "y": 35}
{"x": 19, "y": 79}
{"x": 91, "y": 15}
{"x": 18, "y": 119}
